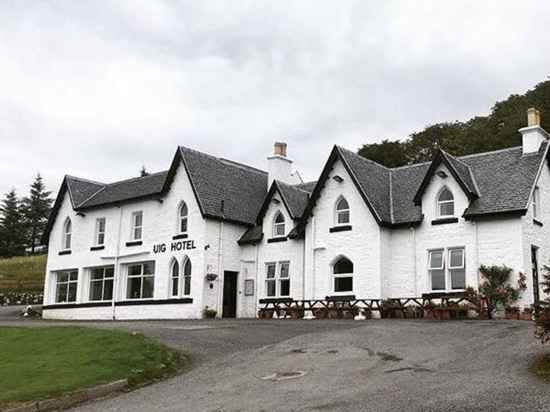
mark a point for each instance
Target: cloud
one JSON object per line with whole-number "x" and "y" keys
{"x": 98, "y": 90}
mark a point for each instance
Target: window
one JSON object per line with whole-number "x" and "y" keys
{"x": 450, "y": 274}
{"x": 277, "y": 282}
{"x": 175, "y": 273}
{"x": 101, "y": 283}
{"x": 187, "y": 277}
{"x": 141, "y": 280}
{"x": 536, "y": 203}
{"x": 279, "y": 225}
{"x": 182, "y": 218}
{"x": 343, "y": 275}
{"x": 270, "y": 282}
{"x": 66, "y": 285}
{"x": 100, "y": 231}
{"x": 67, "y": 234}
{"x": 137, "y": 225}
{"x": 342, "y": 212}
{"x": 445, "y": 203}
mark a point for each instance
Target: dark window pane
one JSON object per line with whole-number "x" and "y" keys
{"x": 134, "y": 288}
{"x": 285, "y": 287}
{"x": 271, "y": 270}
{"x": 175, "y": 269}
{"x": 96, "y": 289}
{"x": 187, "y": 285}
{"x": 149, "y": 268}
{"x": 343, "y": 284}
{"x": 108, "y": 290}
{"x": 342, "y": 204}
{"x": 73, "y": 276}
{"x": 456, "y": 257}
{"x": 343, "y": 217}
{"x": 436, "y": 259}
{"x": 61, "y": 293}
{"x": 438, "y": 279}
{"x": 109, "y": 272}
{"x": 447, "y": 209}
{"x": 187, "y": 268}
{"x": 445, "y": 195}
{"x": 284, "y": 269}
{"x": 343, "y": 266}
{"x": 72, "y": 292}
{"x": 100, "y": 238}
{"x": 62, "y": 277}
{"x": 134, "y": 270}
{"x": 280, "y": 218}
{"x": 97, "y": 274}
{"x": 183, "y": 225}
{"x": 175, "y": 282}
{"x": 458, "y": 278}
{"x": 270, "y": 284}
{"x": 148, "y": 284}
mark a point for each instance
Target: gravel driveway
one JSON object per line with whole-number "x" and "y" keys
{"x": 378, "y": 365}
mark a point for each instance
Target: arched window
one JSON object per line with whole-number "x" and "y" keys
{"x": 445, "y": 203}
{"x": 342, "y": 272}
{"x": 175, "y": 275}
{"x": 187, "y": 277}
{"x": 67, "y": 234}
{"x": 342, "y": 212}
{"x": 182, "y": 218}
{"x": 279, "y": 225}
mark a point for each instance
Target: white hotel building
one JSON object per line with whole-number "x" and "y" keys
{"x": 213, "y": 233}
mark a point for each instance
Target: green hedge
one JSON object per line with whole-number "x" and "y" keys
{"x": 25, "y": 273}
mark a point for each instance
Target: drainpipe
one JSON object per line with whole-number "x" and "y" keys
{"x": 313, "y": 240}
{"x": 117, "y": 270}
{"x": 304, "y": 268}
{"x": 220, "y": 263}
{"x": 257, "y": 287}
{"x": 413, "y": 230}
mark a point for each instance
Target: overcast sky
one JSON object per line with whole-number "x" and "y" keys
{"x": 98, "y": 88}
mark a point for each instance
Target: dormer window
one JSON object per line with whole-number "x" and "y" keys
{"x": 342, "y": 212}
{"x": 67, "y": 234}
{"x": 445, "y": 203}
{"x": 279, "y": 225}
{"x": 182, "y": 218}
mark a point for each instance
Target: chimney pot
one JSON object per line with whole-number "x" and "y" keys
{"x": 279, "y": 149}
{"x": 533, "y": 117}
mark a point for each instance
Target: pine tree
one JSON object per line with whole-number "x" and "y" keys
{"x": 36, "y": 208}
{"x": 12, "y": 233}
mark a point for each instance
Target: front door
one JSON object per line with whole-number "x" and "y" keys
{"x": 535, "y": 269}
{"x": 229, "y": 294}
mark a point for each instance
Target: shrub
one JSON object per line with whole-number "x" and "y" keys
{"x": 208, "y": 313}
{"x": 495, "y": 287}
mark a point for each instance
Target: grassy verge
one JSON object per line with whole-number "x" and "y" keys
{"x": 46, "y": 362}
{"x": 22, "y": 273}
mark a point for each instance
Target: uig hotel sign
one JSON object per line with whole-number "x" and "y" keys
{"x": 174, "y": 246}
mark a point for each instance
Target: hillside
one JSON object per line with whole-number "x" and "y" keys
{"x": 25, "y": 273}
{"x": 498, "y": 130}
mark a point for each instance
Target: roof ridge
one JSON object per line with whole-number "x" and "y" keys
{"x": 489, "y": 152}
{"x": 136, "y": 178}
{"x": 224, "y": 160}
{"x": 362, "y": 157}
{"x": 86, "y": 180}
{"x": 292, "y": 186}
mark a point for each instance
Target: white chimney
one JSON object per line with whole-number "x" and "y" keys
{"x": 279, "y": 167}
{"x": 532, "y": 135}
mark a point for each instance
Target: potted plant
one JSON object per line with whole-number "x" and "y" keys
{"x": 208, "y": 313}
{"x": 512, "y": 312}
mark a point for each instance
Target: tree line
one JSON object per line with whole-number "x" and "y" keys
{"x": 498, "y": 130}
{"x": 23, "y": 220}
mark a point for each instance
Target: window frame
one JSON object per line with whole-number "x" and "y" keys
{"x": 342, "y": 275}
{"x": 447, "y": 268}
{"x": 98, "y": 231}
{"x": 338, "y": 212}
{"x": 182, "y": 218}
{"x": 277, "y": 279}
{"x": 68, "y": 283}
{"x": 135, "y": 227}
{"x": 175, "y": 278}
{"x": 440, "y": 203}
{"x": 276, "y": 224}
{"x": 67, "y": 235}
{"x": 102, "y": 281}
{"x": 142, "y": 276}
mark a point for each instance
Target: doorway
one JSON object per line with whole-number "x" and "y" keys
{"x": 535, "y": 269}
{"x": 229, "y": 294}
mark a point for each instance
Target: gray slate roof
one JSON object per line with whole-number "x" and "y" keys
{"x": 295, "y": 196}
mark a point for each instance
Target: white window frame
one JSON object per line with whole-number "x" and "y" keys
{"x": 185, "y": 273}
{"x": 67, "y": 238}
{"x": 444, "y": 202}
{"x": 175, "y": 279}
{"x": 276, "y": 224}
{"x": 68, "y": 282}
{"x": 446, "y": 267}
{"x": 182, "y": 218}
{"x": 102, "y": 281}
{"x": 135, "y": 226}
{"x": 277, "y": 278}
{"x": 536, "y": 203}
{"x": 99, "y": 232}
{"x": 142, "y": 276}
{"x": 338, "y": 212}
{"x": 342, "y": 275}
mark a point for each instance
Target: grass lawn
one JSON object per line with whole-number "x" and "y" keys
{"x": 23, "y": 273}
{"x": 43, "y": 362}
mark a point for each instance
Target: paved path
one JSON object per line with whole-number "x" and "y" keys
{"x": 377, "y": 365}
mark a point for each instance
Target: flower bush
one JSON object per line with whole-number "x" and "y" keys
{"x": 21, "y": 298}
{"x": 496, "y": 290}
